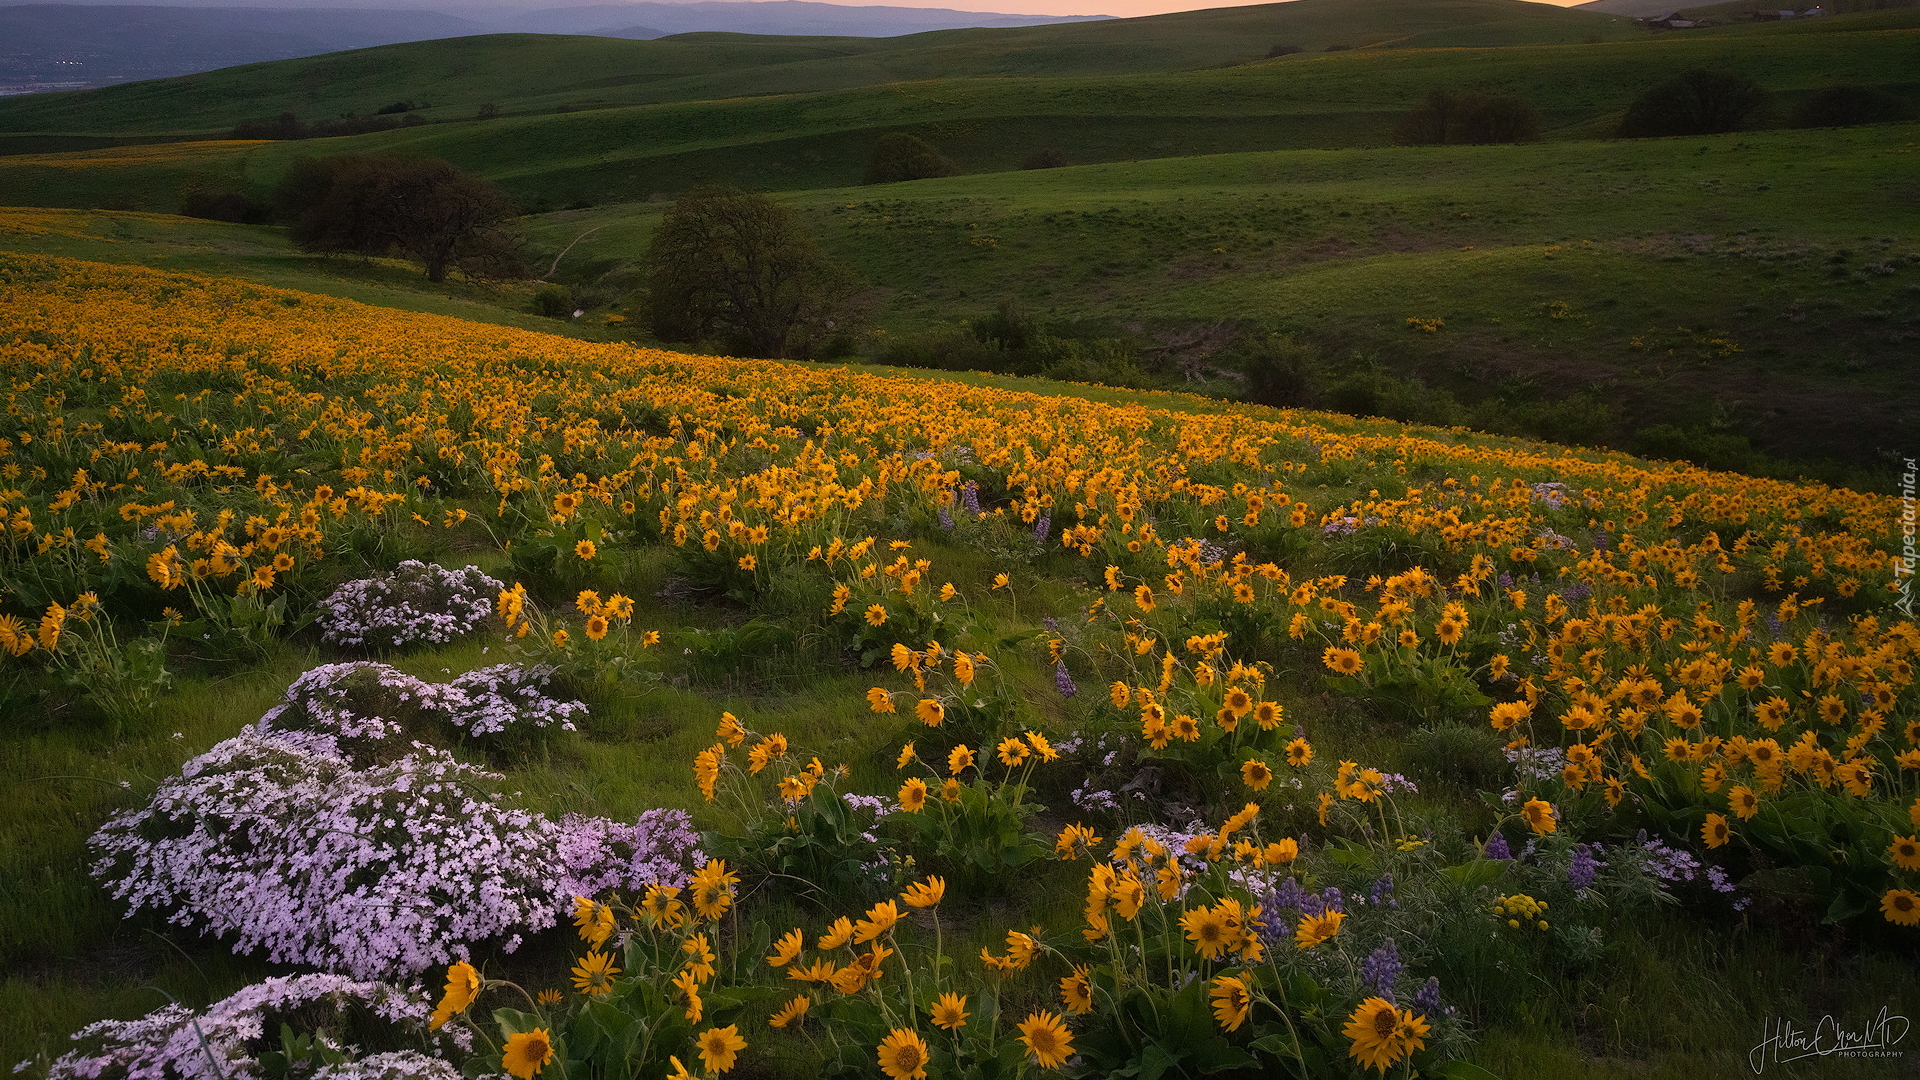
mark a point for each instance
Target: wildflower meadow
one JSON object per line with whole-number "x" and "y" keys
{"x": 986, "y": 732}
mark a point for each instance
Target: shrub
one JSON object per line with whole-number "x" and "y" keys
{"x": 1844, "y": 106}
{"x": 417, "y": 603}
{"x": 554, "y": 302}
{"x": 1450, "y": 118}
{"x": 1045, "y": 159}
{"x": 900, "y": 156}
{"x": 1695, "y": 102}
{"x": 1284, "y": 50}
{"x": 1279, "y": 371}
{"x": 223, "y": 202}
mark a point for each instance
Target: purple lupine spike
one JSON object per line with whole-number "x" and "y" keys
{"x": 1496, "y": 847}
{"x": 1584, "y": 867}
{"x": 1381, "y": 969}
{"x": 1426, "y": 1000}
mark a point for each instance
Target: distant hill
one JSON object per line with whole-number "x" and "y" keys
{"x": 523, "y": 74}
{"x": 89, "y": 45}
{"x": 75, "y": 46}
{"x": 797, "y": 17}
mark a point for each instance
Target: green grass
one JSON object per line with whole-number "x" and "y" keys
{"x": 458, "y": 75}
{"x": 1608, "y": 268}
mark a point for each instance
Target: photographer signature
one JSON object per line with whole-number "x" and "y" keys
{"x": 1781, "y": 1040}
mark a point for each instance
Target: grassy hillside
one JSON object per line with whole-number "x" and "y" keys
{"x": 1760, "y": 285}
{"x": 458, "y": 75}
{"x": 821, "y": 139}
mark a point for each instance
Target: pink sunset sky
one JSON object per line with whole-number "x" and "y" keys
{"x": 1122, "y": 8}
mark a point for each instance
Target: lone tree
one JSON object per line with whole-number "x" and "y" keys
{"x": 736, "y": 267}
{"x": 1450, "y": 118}
{"x": 900, "y": 156}
{"x": 426, "y": 210}
{"x": 1695, "y": 102}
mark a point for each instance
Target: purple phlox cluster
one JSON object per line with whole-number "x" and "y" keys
{"x": 1669, "y": 864}
{"x": 493, "y": 700}
{"x": 177, "y": 1043}
{"x": 1554, "y": 494}
{"x": 416, "y": 603}
{"x": 1584, "y": 866}
{"x": 292, "y": 851}
{"x": 284, "y": 843}
{"x": 597, "y": 855}
{"x": 1381, "y": 969}
{"x": 1496, "y": 847}
{"x": 393, "y": 1065}
{"x": 1718, "y": 880}
{"x": 1063, "y": 681}
{"x": 1392, "y": 782}
{"x": 1345, "y": 526}
{"x": 1094, "y": 800}
{"x": 373, "y": 709}
{"x": 878, "y": 806}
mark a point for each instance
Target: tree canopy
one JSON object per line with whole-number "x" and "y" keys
{"x": 424, "y": 209}
{"x": 739, "y": 268}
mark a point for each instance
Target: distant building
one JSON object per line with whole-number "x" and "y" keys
{"x": 1770, "y": 16}
{"x": 1670, "y": 21}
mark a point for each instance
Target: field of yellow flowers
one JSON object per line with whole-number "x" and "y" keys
{"x": 1090, "y": 634}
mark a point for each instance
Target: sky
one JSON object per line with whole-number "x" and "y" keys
{"x": 1120, "y": 8}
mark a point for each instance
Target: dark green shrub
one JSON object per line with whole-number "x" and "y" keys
{"x": 1279, "y": 371}
{"x": 554, "y": 302}
{"x": 214, "y": 201}
{"x": 1045, "y": 159}
{"x": 1695, "y": 102}
{"x": 1283, "y": 50}
{"x": 900, "y": 156}
{"x": 1472, "y": 119}
{"x": 1009, "y": 328}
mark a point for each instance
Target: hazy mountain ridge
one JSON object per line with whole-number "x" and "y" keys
{"x": 69, "y": 46}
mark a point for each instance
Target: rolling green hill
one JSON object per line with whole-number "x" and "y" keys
{"x": 524, "y": 72}
{"x": 821, "y": 139}
{"x": 1762, "y": 285}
